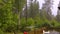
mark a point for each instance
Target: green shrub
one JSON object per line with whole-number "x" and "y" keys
{"x": 1, "y": 32}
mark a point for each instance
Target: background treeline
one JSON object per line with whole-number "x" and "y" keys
{"x": 17, "y": 15}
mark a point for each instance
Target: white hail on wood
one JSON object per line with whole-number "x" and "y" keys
{"x": 44, "y": 32}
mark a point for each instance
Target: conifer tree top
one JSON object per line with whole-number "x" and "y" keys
{"x": 59, "y": 6}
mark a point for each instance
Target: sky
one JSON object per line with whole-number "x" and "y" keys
{"x": 54, "y": 8}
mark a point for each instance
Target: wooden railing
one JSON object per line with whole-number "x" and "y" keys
{"x": 39, "y": 31}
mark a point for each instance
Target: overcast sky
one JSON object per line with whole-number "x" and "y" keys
{"x": 55, "y": 5}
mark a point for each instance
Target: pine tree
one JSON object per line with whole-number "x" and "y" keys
{"x": 46, "y": 9}
{"x": 19, "y": 6}
{"x": 58, "y": 13}
{"x": 33, "y": 9}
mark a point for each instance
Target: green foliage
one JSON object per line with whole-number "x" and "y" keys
{"x": 1, "y": 32}
{"x": 24, "y": 26}
{"x": 8, "y": 20}
{"x": 30, "y": 22}
{"x": 33, "y": 9}
{"x": 19, "y": 4}
{"x": 35, "y": 18}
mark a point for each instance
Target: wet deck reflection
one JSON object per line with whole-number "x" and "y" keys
{"x": 54, "y": 32}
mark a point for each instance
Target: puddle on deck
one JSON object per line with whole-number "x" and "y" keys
{"x": 53, "y": 32}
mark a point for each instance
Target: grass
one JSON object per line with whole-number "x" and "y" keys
{"x": 12, "y": 33}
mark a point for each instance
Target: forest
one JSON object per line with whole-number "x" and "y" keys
{"x": 18, "y": 16}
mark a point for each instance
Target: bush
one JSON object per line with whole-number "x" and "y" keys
{"x": 24, "y": 25}
{"x": 1, "y": 32}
